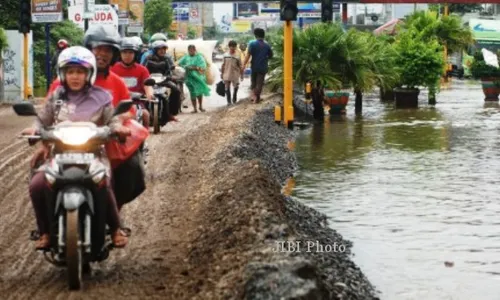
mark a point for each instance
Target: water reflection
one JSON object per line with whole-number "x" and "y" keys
{"x": 415, "y": 130}
{"x": 413, "y": 189}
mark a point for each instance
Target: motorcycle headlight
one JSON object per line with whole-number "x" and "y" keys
{"x": 74, "y": 136}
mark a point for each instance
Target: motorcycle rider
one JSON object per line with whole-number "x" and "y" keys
{"x": 133, "y": 73}
{"x": 156, "y": 37}
{"x": 158, "y": 62}
{"x": 82, "y": 101}
{"x": 128, "y": 178}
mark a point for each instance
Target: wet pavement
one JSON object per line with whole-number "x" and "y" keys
{"x": 417, "y": 191}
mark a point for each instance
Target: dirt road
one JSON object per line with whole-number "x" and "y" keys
{"x": 165, "y": 220}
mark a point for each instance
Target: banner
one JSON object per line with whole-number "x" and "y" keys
{"x": 46, "y": 11}
{"x": 181, "y": 11}
{"x": 136, "y": 19}
{"x": 241, "y": 26}
{"x": 123, "y": 7}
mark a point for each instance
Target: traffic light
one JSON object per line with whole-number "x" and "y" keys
{"x": 25, "y": 16}
{"x": 326, "y": 10}
{"x": 288, "y": 10}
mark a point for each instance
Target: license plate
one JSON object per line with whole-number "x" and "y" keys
{"x": 75, "y": 158}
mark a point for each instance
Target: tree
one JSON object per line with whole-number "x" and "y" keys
{"x": 157, "y": 16}
{"x": 460, "y": 9}
{"x": 3, "y": 40}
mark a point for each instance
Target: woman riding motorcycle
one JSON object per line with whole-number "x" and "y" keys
{"x": 128, "y": 178}
{"x": 158, "y": 62}
{"x": 81, "y": 101}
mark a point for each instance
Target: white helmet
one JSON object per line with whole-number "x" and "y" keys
{"x": 79, "y": 56}
{"x": 158, "y": 44}
{"x": 137, "y": 40}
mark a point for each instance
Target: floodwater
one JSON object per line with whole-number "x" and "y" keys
{"x": 413, "y": 189}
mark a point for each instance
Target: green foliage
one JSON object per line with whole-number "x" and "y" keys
{"x": 448, "y": 30}
{"x": 460, "y": 9}
{"x": 158, "y": 16}
{"x": 479, "y": 69}
{"x": 191, "y": 32}
{"x": 3, "y": 40}
{"x": 421, "y": 60}
{"x": 325, "y": 53}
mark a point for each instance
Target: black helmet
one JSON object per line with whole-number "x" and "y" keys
{"x": 129, "y": 44}
{"x": 100, "y": 35}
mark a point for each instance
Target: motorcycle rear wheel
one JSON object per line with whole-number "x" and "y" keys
{"x": 73, "y": 251}
{"x": 156, "y": 122}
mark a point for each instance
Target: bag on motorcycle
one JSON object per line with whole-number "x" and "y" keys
{"x": 221, "y": 89}
{"x": 118, "y": 152}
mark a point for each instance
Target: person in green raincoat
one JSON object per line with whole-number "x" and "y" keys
{"x": 196, "y": 81}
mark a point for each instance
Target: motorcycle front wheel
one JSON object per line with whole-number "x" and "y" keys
{"x": 73, "y": 251}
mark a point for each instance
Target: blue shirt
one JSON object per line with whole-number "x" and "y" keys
{"x": 261, "y": 52}
{"x": 144, "y": 55}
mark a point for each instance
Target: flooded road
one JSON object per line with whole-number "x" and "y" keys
{"x": 413, "y": 189}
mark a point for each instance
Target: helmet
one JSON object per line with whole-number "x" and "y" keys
{"x": 138, "y": 41}
{"x": 78, "y": 56}
{"x": 129, "y": 44}
{"x": 101, "y": 35}
{"x": 158, "y": 37}
{"x": 62, "y": 43}
{"x": 159, "y": 44}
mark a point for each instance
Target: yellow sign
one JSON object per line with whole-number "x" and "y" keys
{"x": 137, "y": 9}
{"x": 122, "y": 8}
{"x": 241, "y": 26}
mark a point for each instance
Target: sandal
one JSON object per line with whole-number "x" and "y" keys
{"x": 119, "y": 239}
{"x": 202, "y": 110}
{"x": 43, "y": 242}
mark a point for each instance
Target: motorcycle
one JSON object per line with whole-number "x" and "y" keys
{"x": 76, "y": 198}
{"x": 158, "y": 110}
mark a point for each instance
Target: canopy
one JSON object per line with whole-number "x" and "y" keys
{"x": 388, "y": 28}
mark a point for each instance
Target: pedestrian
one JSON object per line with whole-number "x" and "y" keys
{"x": 196, "y": 81}
{"x": 231, "y": 72}
{"x": 260, "y": 52}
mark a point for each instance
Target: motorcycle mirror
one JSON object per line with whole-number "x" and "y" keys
{"x": 123, "y": 107}
{"x": 149, "y": 82}
{"x": 25, "y": 109}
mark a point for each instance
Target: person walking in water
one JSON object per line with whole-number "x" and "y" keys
{"x": 196, "y": 81}
{"x": 231, "y": 72}
{"x": 260, "y": 52}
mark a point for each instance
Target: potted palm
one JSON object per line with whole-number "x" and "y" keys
{"x": 489, "y": 76}
{"x": 421, "y": 62}
{"x": 384, "y": 65}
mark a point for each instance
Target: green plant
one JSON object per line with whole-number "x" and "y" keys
{"x": 157, "y": 16}
{"x": 421, "y": 61}
{"x": 191, "y": 32}
{"x": 3, "y": 40}
{"x": 479, "y": 69}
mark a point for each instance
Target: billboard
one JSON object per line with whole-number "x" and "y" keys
{"x": 136, "y": 21}
{"x": 249, "y": 9}
{"x": 181, "y": 11}
{"x": 426, "y": 1}
{"x": 46, "y": 11}
{"x": 306, "y": 10}
{"x": 485, "y": 29}
{"x": 122, "y": 10}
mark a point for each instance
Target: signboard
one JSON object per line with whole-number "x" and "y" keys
{"x": 88, "y": 13}
{"x": 306, "y": 10}
{"x": 136, "y": 21}
{"x": 485, "y": 29}
{"x": 46, "y": 11}
{"x": 423, "y": 1}
{"x": 241, "y": 26}
{"x": 194, "y": 14}
{"x": 104, "y": 15}
{"x": 123, "y": 7}
{"x": 247, "y": 9}
{"x": 181, "y": 11}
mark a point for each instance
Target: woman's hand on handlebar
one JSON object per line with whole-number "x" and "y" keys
{"x": 29, "y": 131}
{"x": 41, "y": 154}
